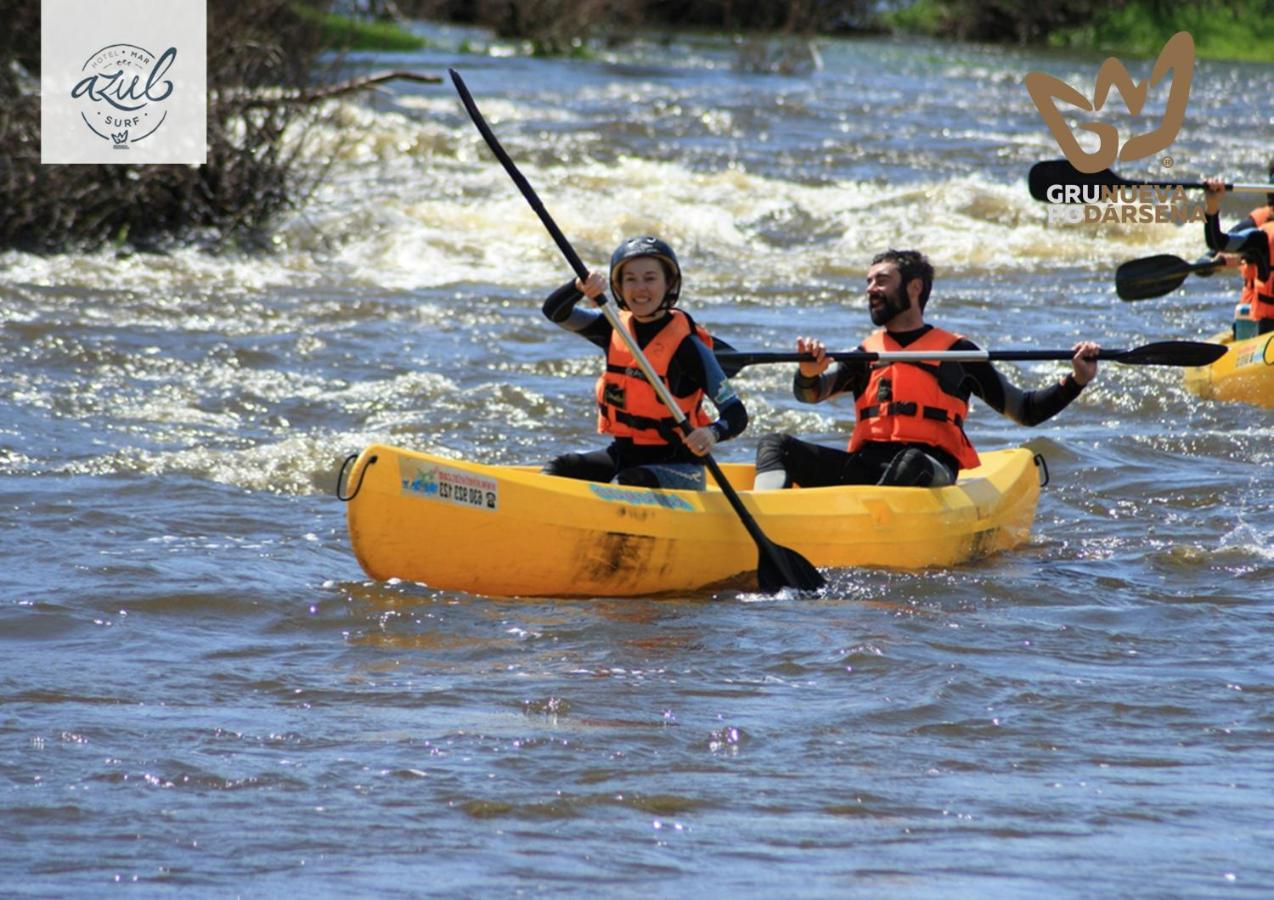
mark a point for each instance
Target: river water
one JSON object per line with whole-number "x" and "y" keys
{"x": 200, "y": 690}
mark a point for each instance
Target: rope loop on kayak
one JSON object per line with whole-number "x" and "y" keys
{"x": 1042, "y": 465}
{"x": 340, "y": 477}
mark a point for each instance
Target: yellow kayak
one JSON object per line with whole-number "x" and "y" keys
{"x": 1244, "y": 375}
{"x": 510, "y": 531}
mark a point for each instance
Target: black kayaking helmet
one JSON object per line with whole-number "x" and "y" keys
{"x": 646, "y": 246}
{"x": 1269, "y": 198}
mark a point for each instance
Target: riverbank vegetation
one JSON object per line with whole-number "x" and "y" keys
{"x": 344, "y": 32}
{"x": 1222, "y": 29}
{"x": 563, "y": 26}
{"x": 1243, "y": 31}
{"x": 269, "y": 63}
{"x": 270, "y": 60}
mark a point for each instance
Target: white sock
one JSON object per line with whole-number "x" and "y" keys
{"x": 773, "y": 480}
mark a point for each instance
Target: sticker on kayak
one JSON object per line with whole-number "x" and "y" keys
{"x": 1256, "y": 356}
{"x": 436, "y": 482}
{"x": 639, "y": 498}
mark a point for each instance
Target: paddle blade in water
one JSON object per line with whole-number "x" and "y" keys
{"x": 779, "y": 567}
{"x": 1171, "y": 353}
{"x": 1153, "y": 276}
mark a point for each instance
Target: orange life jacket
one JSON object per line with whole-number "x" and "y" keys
{"x": 905, "y": 401}
{"x": 1259, "y": 295}
{"x": 627, "y": 406}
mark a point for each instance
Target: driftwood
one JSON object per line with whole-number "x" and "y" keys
{"x": 351, "y": 86}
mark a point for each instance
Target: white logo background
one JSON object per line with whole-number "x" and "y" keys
{"x": 123, "y": 81}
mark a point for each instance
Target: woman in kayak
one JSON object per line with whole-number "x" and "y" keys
{"x": 1250, "y": 246}
{"x": 646, "y": 448}
{"x": 910, "y": 429}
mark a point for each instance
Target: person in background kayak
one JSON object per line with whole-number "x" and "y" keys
{"x": 910, "y": 429}
{"x": 646, "y": 448}
{"x": 1250, "y": 246}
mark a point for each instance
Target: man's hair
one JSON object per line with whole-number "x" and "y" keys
{"x": 1269, "y": 198}
{"x": 911, "y": 264}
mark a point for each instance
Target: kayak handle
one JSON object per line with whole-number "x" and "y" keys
{"x": 1042, "y": 464}
{"x": 340, "y": 477}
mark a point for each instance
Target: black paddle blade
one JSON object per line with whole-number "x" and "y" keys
{"x": 779, "y": 567}
{"x": 1169, "y": 353}
{"x": 1153, "y": 276}
{"x": 1044, "y": 175}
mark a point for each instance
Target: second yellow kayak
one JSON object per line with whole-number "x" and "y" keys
{"x": 1244, "y": 375}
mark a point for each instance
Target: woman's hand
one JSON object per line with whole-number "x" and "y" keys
{"x": 701, "y": 440}
{"x": 593, "y": 286}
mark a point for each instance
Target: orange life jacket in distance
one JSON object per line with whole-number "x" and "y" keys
{"x": 1259, "y": 295}
{"x": 627, "y": 406}
{"x": 905, "y": 401}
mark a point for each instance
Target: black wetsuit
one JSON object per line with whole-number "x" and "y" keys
{"x": 813, "y": 465}
{"x": 693, "y": 368}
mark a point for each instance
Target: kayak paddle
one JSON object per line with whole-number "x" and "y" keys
{"x": 1045, "y": 175}
{"x": 1154, "y": 276}
{"x": 777, "y": 566}
{"x": 1162, "y": 353}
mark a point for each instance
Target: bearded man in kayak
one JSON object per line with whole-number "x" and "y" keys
{"x": 1250, "y": 246}
{"x": 647, "y": 449}
{"x": 910, "y": 429}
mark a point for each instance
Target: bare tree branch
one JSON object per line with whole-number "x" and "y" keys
{"x": 345, "y": 87}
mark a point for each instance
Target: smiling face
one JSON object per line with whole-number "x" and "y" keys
{"x": 885, "y": 298}
{"x": 643, "y": 285}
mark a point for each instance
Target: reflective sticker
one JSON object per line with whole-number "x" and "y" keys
{"x": 434, "y": 482}
{"x": 639, "y": 497}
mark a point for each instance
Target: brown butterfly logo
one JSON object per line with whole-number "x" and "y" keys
{"x": 1177, "y": 57}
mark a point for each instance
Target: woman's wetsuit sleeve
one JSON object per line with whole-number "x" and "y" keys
{"x": 1216, "y": 238}
{"x": 1213, "y": 236}
{"x": 698, "y": 368}
{"x": 560, "y": 309}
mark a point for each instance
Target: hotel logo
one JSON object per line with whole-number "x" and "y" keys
{"x": 123, "y": 82}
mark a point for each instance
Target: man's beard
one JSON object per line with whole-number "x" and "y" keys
{"x": 895, "y": 303}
